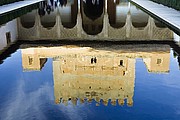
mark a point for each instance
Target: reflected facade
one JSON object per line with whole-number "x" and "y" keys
{"x": 103, "y": 74}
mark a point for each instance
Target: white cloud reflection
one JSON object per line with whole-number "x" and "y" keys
{"x": 76, "y": 112}
{"x": 21, "y": 105}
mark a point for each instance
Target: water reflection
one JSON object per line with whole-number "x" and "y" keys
{"x": 40, "y": 79}
{"x": 104, "y": 74}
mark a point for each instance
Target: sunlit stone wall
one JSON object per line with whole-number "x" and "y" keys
{"x": 8, "y": 33}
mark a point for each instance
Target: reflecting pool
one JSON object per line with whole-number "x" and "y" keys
{"x": 90, "y": 81}
{"x": 65, "y": 62}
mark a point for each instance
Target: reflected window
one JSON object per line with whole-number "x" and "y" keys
{"x": 159, "y": 61}
{"x": 124, "y": 73}
{"x": 30, "y": 60}
{"x": 8, "y": 37}
{"x": 93, "y": 60}
{"x": 121, "y": 62}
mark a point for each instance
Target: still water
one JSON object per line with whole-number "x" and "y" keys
{"x": 123, "y": 68}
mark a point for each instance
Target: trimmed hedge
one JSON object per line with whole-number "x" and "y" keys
{"x": 3, "y": 2}
{"x": 170, "y": 3}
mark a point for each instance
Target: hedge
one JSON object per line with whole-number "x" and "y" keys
{"x": 3, "y": 2}
{"x": 170, "y": 3}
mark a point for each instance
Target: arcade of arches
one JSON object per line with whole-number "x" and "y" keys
{"x": 79, "y": 19}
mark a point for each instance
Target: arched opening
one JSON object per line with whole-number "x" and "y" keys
{"x": 28, "y": 20}
{"x": 92, "y": 16}
{"x": 93, "y": 9}
{"x": 117, "y": 13}
{"x": 68, "y": 14}
{"x": 139, "y": 18}
{"x": 159, "y": 24}
{"x": 49, "y": 20}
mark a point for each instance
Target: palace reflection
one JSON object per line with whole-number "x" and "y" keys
{"x": 91, "y": 19}
{"x": 97, "y": 73}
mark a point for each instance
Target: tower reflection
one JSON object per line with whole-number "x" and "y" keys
{"x": 97, "y": 73}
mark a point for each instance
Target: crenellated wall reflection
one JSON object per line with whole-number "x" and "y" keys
{"x": 114, "y": 20}
{"x": 96, "y": 73}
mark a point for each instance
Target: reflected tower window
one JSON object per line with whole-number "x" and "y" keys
{"x": 30, "y": 60}
{"x": 124, "y": 73}
{"x": 93, "y": 60}
{"x": 159, "y": 61}
{"x": 121, "y": 62}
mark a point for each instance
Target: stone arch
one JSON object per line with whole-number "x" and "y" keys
{"x": 69, "y": 14}
{"x": 117, "y": 13}
{"x": 92, "y": 22}
{"x": 93, "y": 10}
{"x": 28, "y": 20}
{"x": 49, "y": 20}
{"x": 138, "y": 17}
{"x": 159, "y": 24}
